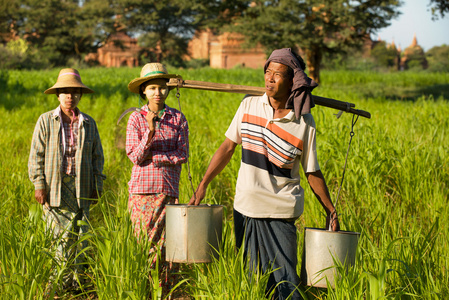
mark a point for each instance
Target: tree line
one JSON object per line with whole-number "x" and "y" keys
{"x": 59, "y": 32}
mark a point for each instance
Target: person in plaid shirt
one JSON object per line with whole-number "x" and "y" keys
{"x": 66, "y": 167}
{"x": 157, "y": 145}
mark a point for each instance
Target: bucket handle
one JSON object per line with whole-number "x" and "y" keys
{"x": 351, "y": 134}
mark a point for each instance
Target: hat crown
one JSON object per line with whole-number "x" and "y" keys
{"x": 152, "y": 69}
{"x": 69, "y": 71}
{"x": 68, "y": 77}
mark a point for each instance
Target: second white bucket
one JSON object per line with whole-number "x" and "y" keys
{"x": 193, "y": 233}
{"x": 321, "y": 247}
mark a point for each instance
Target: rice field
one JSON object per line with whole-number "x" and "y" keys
{"x": 395, "y": 191}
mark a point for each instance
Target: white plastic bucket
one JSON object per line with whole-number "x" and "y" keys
{"x": 193, "y": 233}
{"x": 320, "y": 249}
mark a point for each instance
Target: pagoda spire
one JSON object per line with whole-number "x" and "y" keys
{"x": 415, "y": 41}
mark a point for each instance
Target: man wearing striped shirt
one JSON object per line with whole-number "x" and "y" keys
{"x": 66, "y": 167}
{"x": 277, "y": 134}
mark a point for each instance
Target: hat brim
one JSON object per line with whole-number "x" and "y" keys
{"x": 84, "y": 88}
{"x": 134, "y": 85}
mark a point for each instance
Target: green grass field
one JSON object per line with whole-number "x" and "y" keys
{"x": 395, "y": 191}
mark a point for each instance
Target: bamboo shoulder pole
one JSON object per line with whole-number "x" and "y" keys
{"x": 258, "y": 91}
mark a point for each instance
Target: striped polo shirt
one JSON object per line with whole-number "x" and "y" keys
{"x": 268, "y": 183}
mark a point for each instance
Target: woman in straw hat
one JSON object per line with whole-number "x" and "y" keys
{"x": 66, "y": 167}
{"x": 157, "y": 144}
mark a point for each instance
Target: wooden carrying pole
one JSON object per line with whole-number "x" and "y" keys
{"x": 258, "y": 91}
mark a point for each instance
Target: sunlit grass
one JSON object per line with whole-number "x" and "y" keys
{"x": 395, "y": 191}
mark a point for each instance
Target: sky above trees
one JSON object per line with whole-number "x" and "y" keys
{"x": 416, "y": 17}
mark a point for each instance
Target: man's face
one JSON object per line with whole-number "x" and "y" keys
{"x": 69, "y": 97}
{"x": 277, "y": 82}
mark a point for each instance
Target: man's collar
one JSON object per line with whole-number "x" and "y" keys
{"x": 289, "y": 116}
{"x": 265, "y": 99}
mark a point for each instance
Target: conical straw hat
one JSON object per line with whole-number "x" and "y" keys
{"x": 150, "y": 71}
{"x": 69, "y": 78}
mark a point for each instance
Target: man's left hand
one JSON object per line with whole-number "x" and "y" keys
{"x": 332, "y": 219}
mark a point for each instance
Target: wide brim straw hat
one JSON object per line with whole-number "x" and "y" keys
{"x": 150, "y": 71}
{"x": 69, "y": 78}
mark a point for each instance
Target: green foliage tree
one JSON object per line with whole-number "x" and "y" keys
{"x": 60, "y": 30}
{"x": 50, "y": 25}
{"x": 438, "y": 58}
{"x": 439, "y": 6}
{"x": 16, "y": 54}
{"x": 163, "y": 27}
{"x": 69, "y": 29}
{"x": 8, "y": 19}
{"x": 385, "y": 55}
{"x": 415, "y": 58}
{"x": 98, "y": 22}
{"x": 316, "y": 27}
{"x": 215, "y": 14}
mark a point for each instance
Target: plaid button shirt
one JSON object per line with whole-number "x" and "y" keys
{"x": 168, "y": 149}
{"x": 68, "y": 159}
{"x": 45, "y": 161}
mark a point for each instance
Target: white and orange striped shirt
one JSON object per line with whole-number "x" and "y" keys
{"x": 268, "y": 183}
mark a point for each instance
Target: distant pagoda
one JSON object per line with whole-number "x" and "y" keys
{"x": 413, "y": 56}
